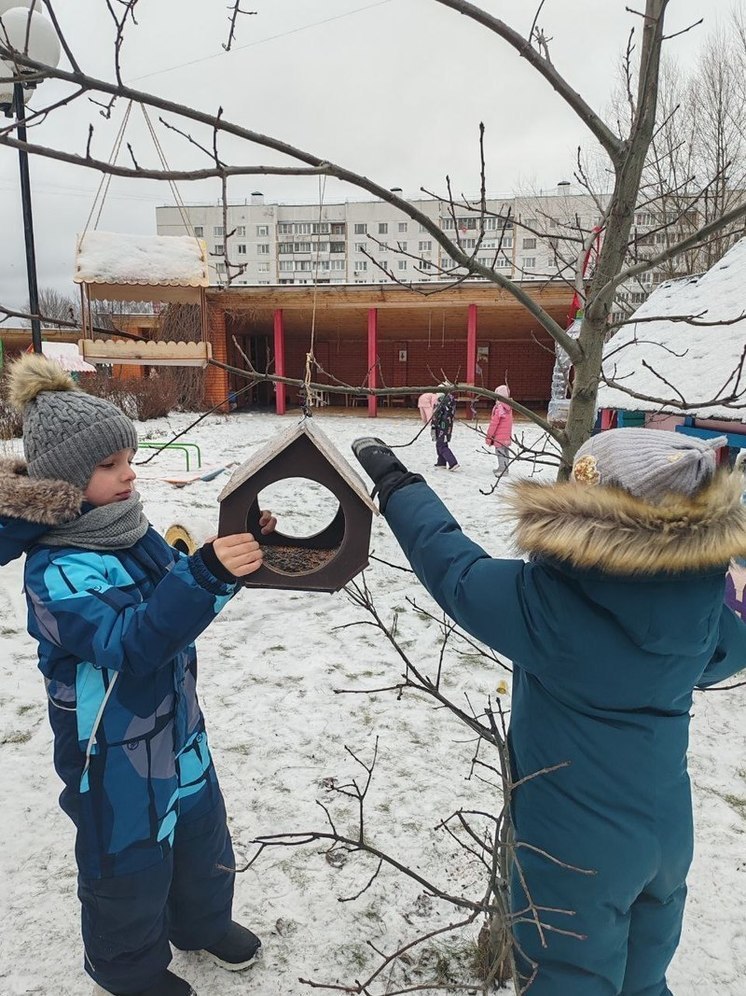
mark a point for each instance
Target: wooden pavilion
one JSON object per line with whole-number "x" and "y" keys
{"x": 382, "y": 336}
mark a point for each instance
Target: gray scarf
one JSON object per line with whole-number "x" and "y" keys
{"x": 117, "y": 526}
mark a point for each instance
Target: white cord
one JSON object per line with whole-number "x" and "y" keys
{"x": 97, "y": 723}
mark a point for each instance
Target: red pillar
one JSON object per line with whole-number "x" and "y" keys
{"x": 372, "y": 360}
{"x": 471, "y": 345}
{"x": 280, "y": 389}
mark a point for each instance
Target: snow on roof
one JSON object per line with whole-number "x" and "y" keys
{"x": 68, "y": 356}
{"x": 147, "y": 260}
{"x": 322, "y": 443}
{"x": 698, "y": 361}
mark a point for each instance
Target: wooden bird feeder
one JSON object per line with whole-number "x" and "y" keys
{"x": 330, "y": 558}
{"x": 158, "y": 268}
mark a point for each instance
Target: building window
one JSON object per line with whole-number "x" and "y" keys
{"x": 285, "y": 265}
{"x": 338, "y": 228}
{"x": 321, "y": 247}
{"x": 338, "y": 264}
{"x": 401, "y": 246}
{"x": 468, "y": 243}
{"x": 323, "y": 264}
{"x": 336, "y": 247}
{"x": 447, "y": 224}
{"x": 240, "y": 231}
{"x": 529, "y": 262}
{"x": 383, "y": 247}
{"x": 529, "y": 243}
{"x": 361, "y": 265}
{"x": 218, "y": 231}
{"x": 286, "y": 281}
{"x": 220, "y": 267}
{"x": 263, "y": 267}
{"x": 321, "y": 228}
{"x": 503, "y": 263}
{"x": 285, "y": 247}
{"x": 531, "y": 223}
{"x": 403, "y": 226}
{"x": 383, "y": 228}
{"x": 262, "y": 248}
{"x": 424, "y": 265}
{"x": 425, "y": 246}
{"x": 262, "y": 231}
{"x": 361, "y": 247}
{"x": 285, "y": 228}
{"x": 361, "y": 229}
{"x": 643, "y": 218}
{"x": 219, "y": 249}
{"x": 303, "y": 264}
{"x": 302, "y": 228}
{"x": 402, "y": 264}
{"x": 198, "y": 231}
{"x": 241, "y": 248}
{"x": 302, "y": 247}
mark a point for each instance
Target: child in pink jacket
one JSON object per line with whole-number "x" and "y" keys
{"x": 500, "y": 430}
{"x": 426, "y": 404}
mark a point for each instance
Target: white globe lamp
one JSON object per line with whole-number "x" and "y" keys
{"x": 31, "y": 34}
{"x": 6, "y": 5}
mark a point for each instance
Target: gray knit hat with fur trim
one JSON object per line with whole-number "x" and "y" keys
{"x": 66, "y": 432}
{"x": 648, "y": 463}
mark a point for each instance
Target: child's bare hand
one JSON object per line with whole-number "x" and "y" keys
{"x": 240, "y": 554}
{"x": 267, "y": 522}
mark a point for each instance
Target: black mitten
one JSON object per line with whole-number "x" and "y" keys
{"x": 383, "y": 467}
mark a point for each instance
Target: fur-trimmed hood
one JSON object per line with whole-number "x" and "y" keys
{"x": 29, "y": 507}
{"x": 607, "y": 529}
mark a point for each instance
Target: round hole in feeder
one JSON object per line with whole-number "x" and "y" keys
{"x": 309, "y": 518}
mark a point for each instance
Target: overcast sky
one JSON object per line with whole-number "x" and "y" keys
{"x": 394, "y": 89}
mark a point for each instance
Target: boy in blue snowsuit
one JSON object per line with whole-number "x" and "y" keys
{"x": 115, "y": 611}
{"x": 615, "y": 619}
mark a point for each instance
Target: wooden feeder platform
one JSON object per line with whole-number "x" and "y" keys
{"x": 325, "y": 561}
{"x": 166, "y": 269}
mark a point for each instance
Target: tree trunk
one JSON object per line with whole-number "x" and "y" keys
{"x": 628, "y": 169}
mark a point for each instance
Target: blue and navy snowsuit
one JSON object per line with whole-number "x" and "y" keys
{"x": 116, "y": 635}
{"x": 604, "y": 669}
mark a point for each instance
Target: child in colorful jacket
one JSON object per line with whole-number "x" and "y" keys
{"x": 115, "y": 611}
{"x": 615, "y": 619}
{"x": 500, "y": 430}
{"x": 442, "y": 428}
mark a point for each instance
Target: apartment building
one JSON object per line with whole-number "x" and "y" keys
{"x": 374, "y": 242}
{"x": 527, "y": 238}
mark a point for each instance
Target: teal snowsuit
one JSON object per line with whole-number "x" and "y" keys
{"x": 605, "y": 664}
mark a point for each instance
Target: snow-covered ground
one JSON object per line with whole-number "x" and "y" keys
{"x": 269, "y": 667}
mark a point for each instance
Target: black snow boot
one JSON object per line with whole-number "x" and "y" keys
{"x": 167, "y": 985}
{"x": 237, "y": 950}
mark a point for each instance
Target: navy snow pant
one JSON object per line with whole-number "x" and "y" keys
{"x": 443, "y": 451}
{"x": 186, "y": 899}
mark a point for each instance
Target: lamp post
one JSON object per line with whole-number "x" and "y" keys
{"x": 25, "y": 30}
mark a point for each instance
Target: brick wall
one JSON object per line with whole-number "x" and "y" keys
{"x": 528, "y": 364}
{"x": 216, "y": 380}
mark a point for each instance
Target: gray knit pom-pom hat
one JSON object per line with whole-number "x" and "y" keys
{"x": 648, "y": 463}
{"x": 66, "y": 432}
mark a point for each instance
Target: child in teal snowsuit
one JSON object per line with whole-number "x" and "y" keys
{"x": 615, "y": 619}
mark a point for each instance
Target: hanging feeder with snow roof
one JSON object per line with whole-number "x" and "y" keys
{"x": 332, "y": 556}
{"x": 169, "y": 269}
